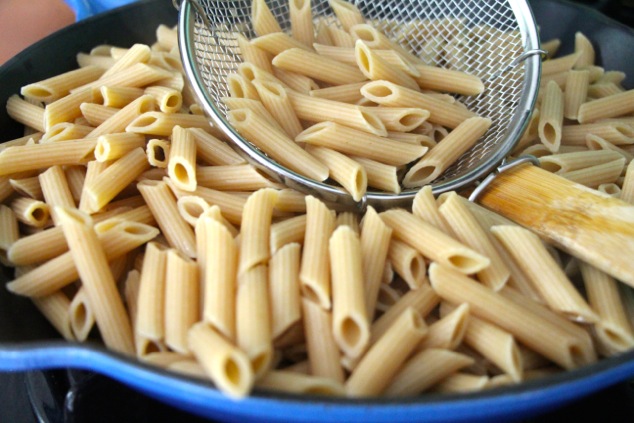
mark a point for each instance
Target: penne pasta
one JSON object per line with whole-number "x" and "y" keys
{"x": 284, "y": 289}
{"x": 347, "y": 172}
{"x": 182, "y": 292}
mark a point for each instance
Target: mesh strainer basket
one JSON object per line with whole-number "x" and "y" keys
{"x": 494, "y": 39}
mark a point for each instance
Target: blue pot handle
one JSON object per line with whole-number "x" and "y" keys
{"x": 86, "y": 8}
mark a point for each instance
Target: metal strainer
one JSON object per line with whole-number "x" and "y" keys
{"x": 497, "y": 41}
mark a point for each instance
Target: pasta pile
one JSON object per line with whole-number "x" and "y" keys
{"x": 128, "y": 218}
{"x": 363, "y": 106}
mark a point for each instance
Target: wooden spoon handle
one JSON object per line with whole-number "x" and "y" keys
{"x": 587, "y": 224}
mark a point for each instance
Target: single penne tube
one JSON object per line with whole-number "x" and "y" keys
{"x": 37, "y": 156}
{"x": 255, "y": 229}
{"x": 28, "y": 187}
{"x": 224, "y": 363}
{"x": 460, "y": 382}
{"x": 150, "y": 311}
{"x": 119, "y": 97}
{"x": 382, "y": 361}
{"x": 387, "y": 93}
{"x": 627, "y": 188}
{"x": 240, "y": 87}
{"x": 534, "y": 259}
{"x": 182, "y": 292}
{"x": 101, "y": 61}
{"x": 583, "y": 47}
{"x": 347, "y": 172}
{"x": 138, "y": 53}
{"x": 287, "y": 231}
{"x": 426, "y": 207}
{"x": 301, "y": 17}
{"x": 613, "y": 132}
{"x": 576, "y": 92}
{"x": 315, "y": 109}
{"x": 65, "y": 131}
{"x": 449, "y": 330}
{"x": 348, "y": 93}
{"x": 242, "y": 177}
{"x": 613, "y": 329}
{"x": 168, "y": 99}
{"x": 347, "y": 13}
{"x": 26, "y": 113}
{"x": 423, "y": 300}
{"x": 597, "y": 91}
{"x": 551, "y": 116}
{"x": 424, "y": 370}
{"x": 379, "y": 175}
{"x": 166, "y": 37}
{"x": 56, "y": 87}
{"x": 67, "y": 108}
{"x": 354, "y": 142}
{"x": 81, "y": 316}
{"x": 31, "y": 212}
{"x": 596, "y": 175}
{"x": 276, "y": 144}
{"x": 55, "y": 308}
{"x": 115, "y": 178}
{"x": 253, "y": 319}
{"x": 96, "y": 114}
{"x": 220, "y": 269}
{"x": 560, "y": 64}
{"x": 322, "y": 349}
{"x": 468, "y": 230}
{"x": 375, "y": 243}
{"x": 122, "y": 118}
{"x": 376, "y": 40}
{"x": 284, "y": 288}
{"x": 318, "y": 67}
{"x": 163, "y": 205}
{"x": 436, "y": 246}
{"x": 231, "y": 204}
{"x": 388, "y": 296}
{"x": 138, "y": 75}
{"x": 448, "y": 80}
{"x": 375, "y": 68}
{"x": 276, "y": 43}
{"x": 263, "y": 20}
{"x": 256, "y": 106}
{"x": 181, "y": 165}
{"x": 114, "y": 146}
{"x": 315, "y": 265}
{"x": 401, "y": 119}
{"x": 31, "y": 249}
{"x": 341, "y": 54}
{"x": 254, "y": 54}
{"x": 92, "y": 266}
{"x": 533, "y": 330}
{"x": 607, "y": 107}
{"x": 567, "y": 162}
{"x": 446, "y": 152}
{"x": 162, "y": 124}
{"x": 55, "y": 189}
{"x": 277, "y": 102}
{"x": 214, "y": 151}
{"x": 9, "y": 233}
{"x": 408, "y": 263}
{"x": 157, "y": 152}
{"x": 297, "y": 383}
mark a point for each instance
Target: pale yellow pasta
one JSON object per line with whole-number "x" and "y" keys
{"x": 253, "y": 319}
{"x": 101, "y": 61}
{"x": 240, "y": 87}
{"x": 318, "y": 67}
{"x": 586, "y": 50}
{"x": 220, "y": 269}
{"x": 255, "y": 229}
{"x": 214, "y": 151}
{"x": 182, "y": 291}
{"x": 55, "y": 308}
{"x": 607, "y": 107}
{"x": 231, "y": 205}
{"x": 157, "y": 152}
{"x": 445, "y": 153}
{"x": 262, "y": 19}
{"x": 277, "y": 145}
{"x": 27, "y": 187}
{"x": 551, "y": 115}
{"x": 138, "y": 75}
{"x": 354, "y": 142}
{"x": 119, "y": 96}
{"x": 256, "y": 106}
{"x": 408, "y": 263}
{"x": 277, "y": 102}
{"x": 348, "y": 93}
{"x": 597, "y": 91}
{"x": 576, "y": 92}
{"x": 347, "y": 172}
{"x": 115, "y": 178}
{"x": 301, "y": 17}
{"x": 81, "y": 317}
{"x": 9, "y": 233}
{"x": 425, "y": 207}
{"x": 168, "y": 99}
{"x": 379, "y": 41}
{"x": 566, "y": 162}
{"x": 284, "y": 288}
{"x": 613, "y": 330}
{"x": 58, "y": 86}
{"x": 55, "y": 189}
{"x": 447, "y": 332}
{"x": 122, "y": 118}
{"x": 347, "y": 13}
{"x": 322, "y": 349}
{"x": 467, "y": 229}
{"x": 560, "y": 64}
{"x": 243, "y": 177}
{"x": 460, "y": 382}
{"x": 162, "y": 124}
{"x": 375, "y": 68}
{"x": 546, "y": 276}
{"x": 27, "y": 114}
{"x": 65, "y": 131}
{"x": 315, "y": 109}
{"x": 424, "y": 370}
{"x": 339, "y": 37}
{"x": 315, "y": 265}
{"x": 90, "y": 259}
{"x": 254, "y": 54}
{"x": 448, "y": 80}
{"x": 379, "y": 175}
{"x": 96, "y": 114}
{"x": 401, "y": 119}
{"x": 226, "y": 365}
{"x": 379, "y": 365}
{"x": 36, "y": 248}
{"x": 114, "y": 146}
{"x": 596, "y": 175}
{"x": 627, "y": 188}
{"x": 163, "y": 205}
{"x": 31, "y": 212}
{"x": 181, "y": 165}
{"x": 533, "y": 330}
{"x": 138, "y": 53}
{"x": 295, "y": 81}
{"x": 276, "y": 43}
{"x": 443, "y": 113}
{"x": 150, "y": 305}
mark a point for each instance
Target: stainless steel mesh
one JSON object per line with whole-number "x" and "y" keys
{"x": 480, "y": 37}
